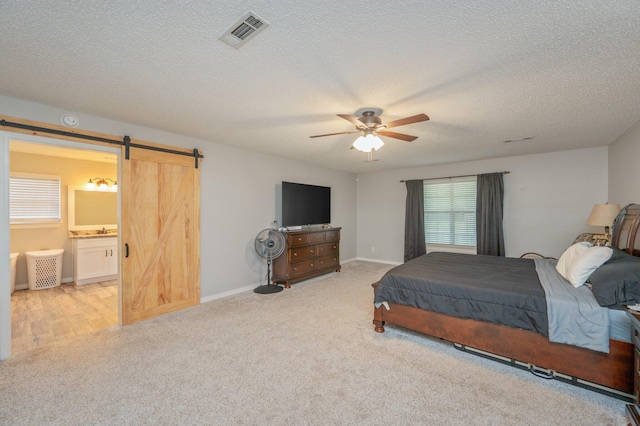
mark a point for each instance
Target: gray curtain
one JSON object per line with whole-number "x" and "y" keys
{"x": 489, "y": 204}
{"x": 414, "y": 243}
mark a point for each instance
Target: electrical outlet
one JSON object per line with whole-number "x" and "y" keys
{"x": 373, "y": 249}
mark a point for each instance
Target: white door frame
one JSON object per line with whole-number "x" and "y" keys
{"x": 5, "y": 288}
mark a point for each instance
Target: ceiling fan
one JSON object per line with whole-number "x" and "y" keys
{"x": 370, "y": 126}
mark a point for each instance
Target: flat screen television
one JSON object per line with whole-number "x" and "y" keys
{"x": 305, "y": 204}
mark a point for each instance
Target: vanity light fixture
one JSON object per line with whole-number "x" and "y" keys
{"x": 101, "y": 184}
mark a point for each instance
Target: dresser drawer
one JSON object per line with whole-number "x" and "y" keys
{"x": 316, "y": 237}
{"x": 301, "y": 268}
{"x": 298, "y": 239}
{"x": 326, "y": 249}
{"x": 302, "y": 253}
{"x": 327, "y": 261}
{"x": 332, "y": 236}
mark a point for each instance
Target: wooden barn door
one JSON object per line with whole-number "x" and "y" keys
{"x": 161, "y": 238}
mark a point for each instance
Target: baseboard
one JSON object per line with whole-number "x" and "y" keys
{"x": 217, "y": 296}
{"x": 25, "y": 286}
{"x": 251, "y": 287}
{"x": 386, "y": 262}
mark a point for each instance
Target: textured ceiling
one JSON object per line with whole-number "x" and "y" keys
{"x": 565, "y": 72}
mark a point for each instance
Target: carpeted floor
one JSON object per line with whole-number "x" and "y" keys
{"x": 307, "y": 355}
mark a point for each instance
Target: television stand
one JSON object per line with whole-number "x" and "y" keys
{"x": 308, "y": 253}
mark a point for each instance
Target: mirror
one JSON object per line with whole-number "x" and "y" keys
{"x": 91, "y": 209}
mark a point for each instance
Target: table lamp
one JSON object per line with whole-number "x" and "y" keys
{"x": 603, "y": 215}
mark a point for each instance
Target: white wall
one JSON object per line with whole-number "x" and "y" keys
{"x": 548, "y": 198}
{"x": 239, "y": 200}
{"x": 237, "y": 195}
{"x": 624, "y": 162}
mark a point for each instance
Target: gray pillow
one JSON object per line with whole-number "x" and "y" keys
{"x": 617, "y": 281}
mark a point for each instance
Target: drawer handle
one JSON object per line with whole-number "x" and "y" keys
{"x": 295, "y": 254}
{"x": 106, "y": 253}
{"x": 311, "y": 251}
{"x": 312, "y": 265}
{"x": 299, "y": 238}
{"x": 335, "y": 247}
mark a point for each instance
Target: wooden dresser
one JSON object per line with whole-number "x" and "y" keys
{"x": 633, "y": 411}
{"x": 308, "y": 253}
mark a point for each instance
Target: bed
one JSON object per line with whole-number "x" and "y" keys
{"x": 431, "y": 302}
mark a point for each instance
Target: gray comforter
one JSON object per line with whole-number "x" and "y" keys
{"x": 500, "y": 290}
{"x": 575, "y": 317}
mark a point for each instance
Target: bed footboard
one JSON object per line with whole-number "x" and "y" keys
{"x": 613, "y": 370}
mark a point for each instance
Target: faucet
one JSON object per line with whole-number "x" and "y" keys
{"x": 104, "y": 231}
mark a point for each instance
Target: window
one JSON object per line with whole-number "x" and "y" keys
{"x": 34, "y": 199}
{"x": 450, "y": 212}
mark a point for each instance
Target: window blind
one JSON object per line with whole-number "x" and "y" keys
{"x": 34, "y": 198}
{"x": 450, "y": 212}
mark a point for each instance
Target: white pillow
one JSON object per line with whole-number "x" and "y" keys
{"x": 578, "y": 262}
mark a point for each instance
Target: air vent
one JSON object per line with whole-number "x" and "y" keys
{"x": 244, "y": 30}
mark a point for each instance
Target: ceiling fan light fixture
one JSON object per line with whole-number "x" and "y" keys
{"x": 370, "y": 125}
{"x": 368, "y": 143}
{"x": 361, "y": 145}
{"x": 376, "y": 142}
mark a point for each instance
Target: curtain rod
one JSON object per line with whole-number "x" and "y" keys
{"x": 506, "y": 172}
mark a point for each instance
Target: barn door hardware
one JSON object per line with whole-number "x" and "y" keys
{"x": 126, "y": 140}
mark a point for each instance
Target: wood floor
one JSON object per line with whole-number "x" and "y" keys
{"x": 39, "y": 317}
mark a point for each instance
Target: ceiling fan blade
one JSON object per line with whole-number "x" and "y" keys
{"x": 395, "y": 135}
{"x": 408, "y": 120}
{"x": 354, "y": 120}
{"x": 333, "y": 134}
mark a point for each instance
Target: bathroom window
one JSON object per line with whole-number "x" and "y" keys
{"x": 34, "y": 199}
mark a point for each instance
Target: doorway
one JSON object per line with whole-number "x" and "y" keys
{"x": 41, "y": 316}
{"x": 158, "y": 242}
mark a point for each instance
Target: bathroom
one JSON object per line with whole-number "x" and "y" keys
{"x": 77, "y": 306}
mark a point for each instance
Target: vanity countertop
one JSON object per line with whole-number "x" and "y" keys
{"x": 93, "y": 234}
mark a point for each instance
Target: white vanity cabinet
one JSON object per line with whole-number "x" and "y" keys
{"x": 95, "y": 259}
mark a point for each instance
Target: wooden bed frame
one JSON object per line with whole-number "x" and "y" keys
{"x": 613, "y": 370}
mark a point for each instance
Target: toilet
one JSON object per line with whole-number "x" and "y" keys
{"x": 14, "y": 259}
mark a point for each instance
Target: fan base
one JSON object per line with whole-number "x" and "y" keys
{"x": 267, "y": 289}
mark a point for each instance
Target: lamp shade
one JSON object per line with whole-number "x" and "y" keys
{"x": 368, "y": 143}
{"x": 603, "y": 214}
{"x": 361, "y": 145}
{"x": 377, "y": 143}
